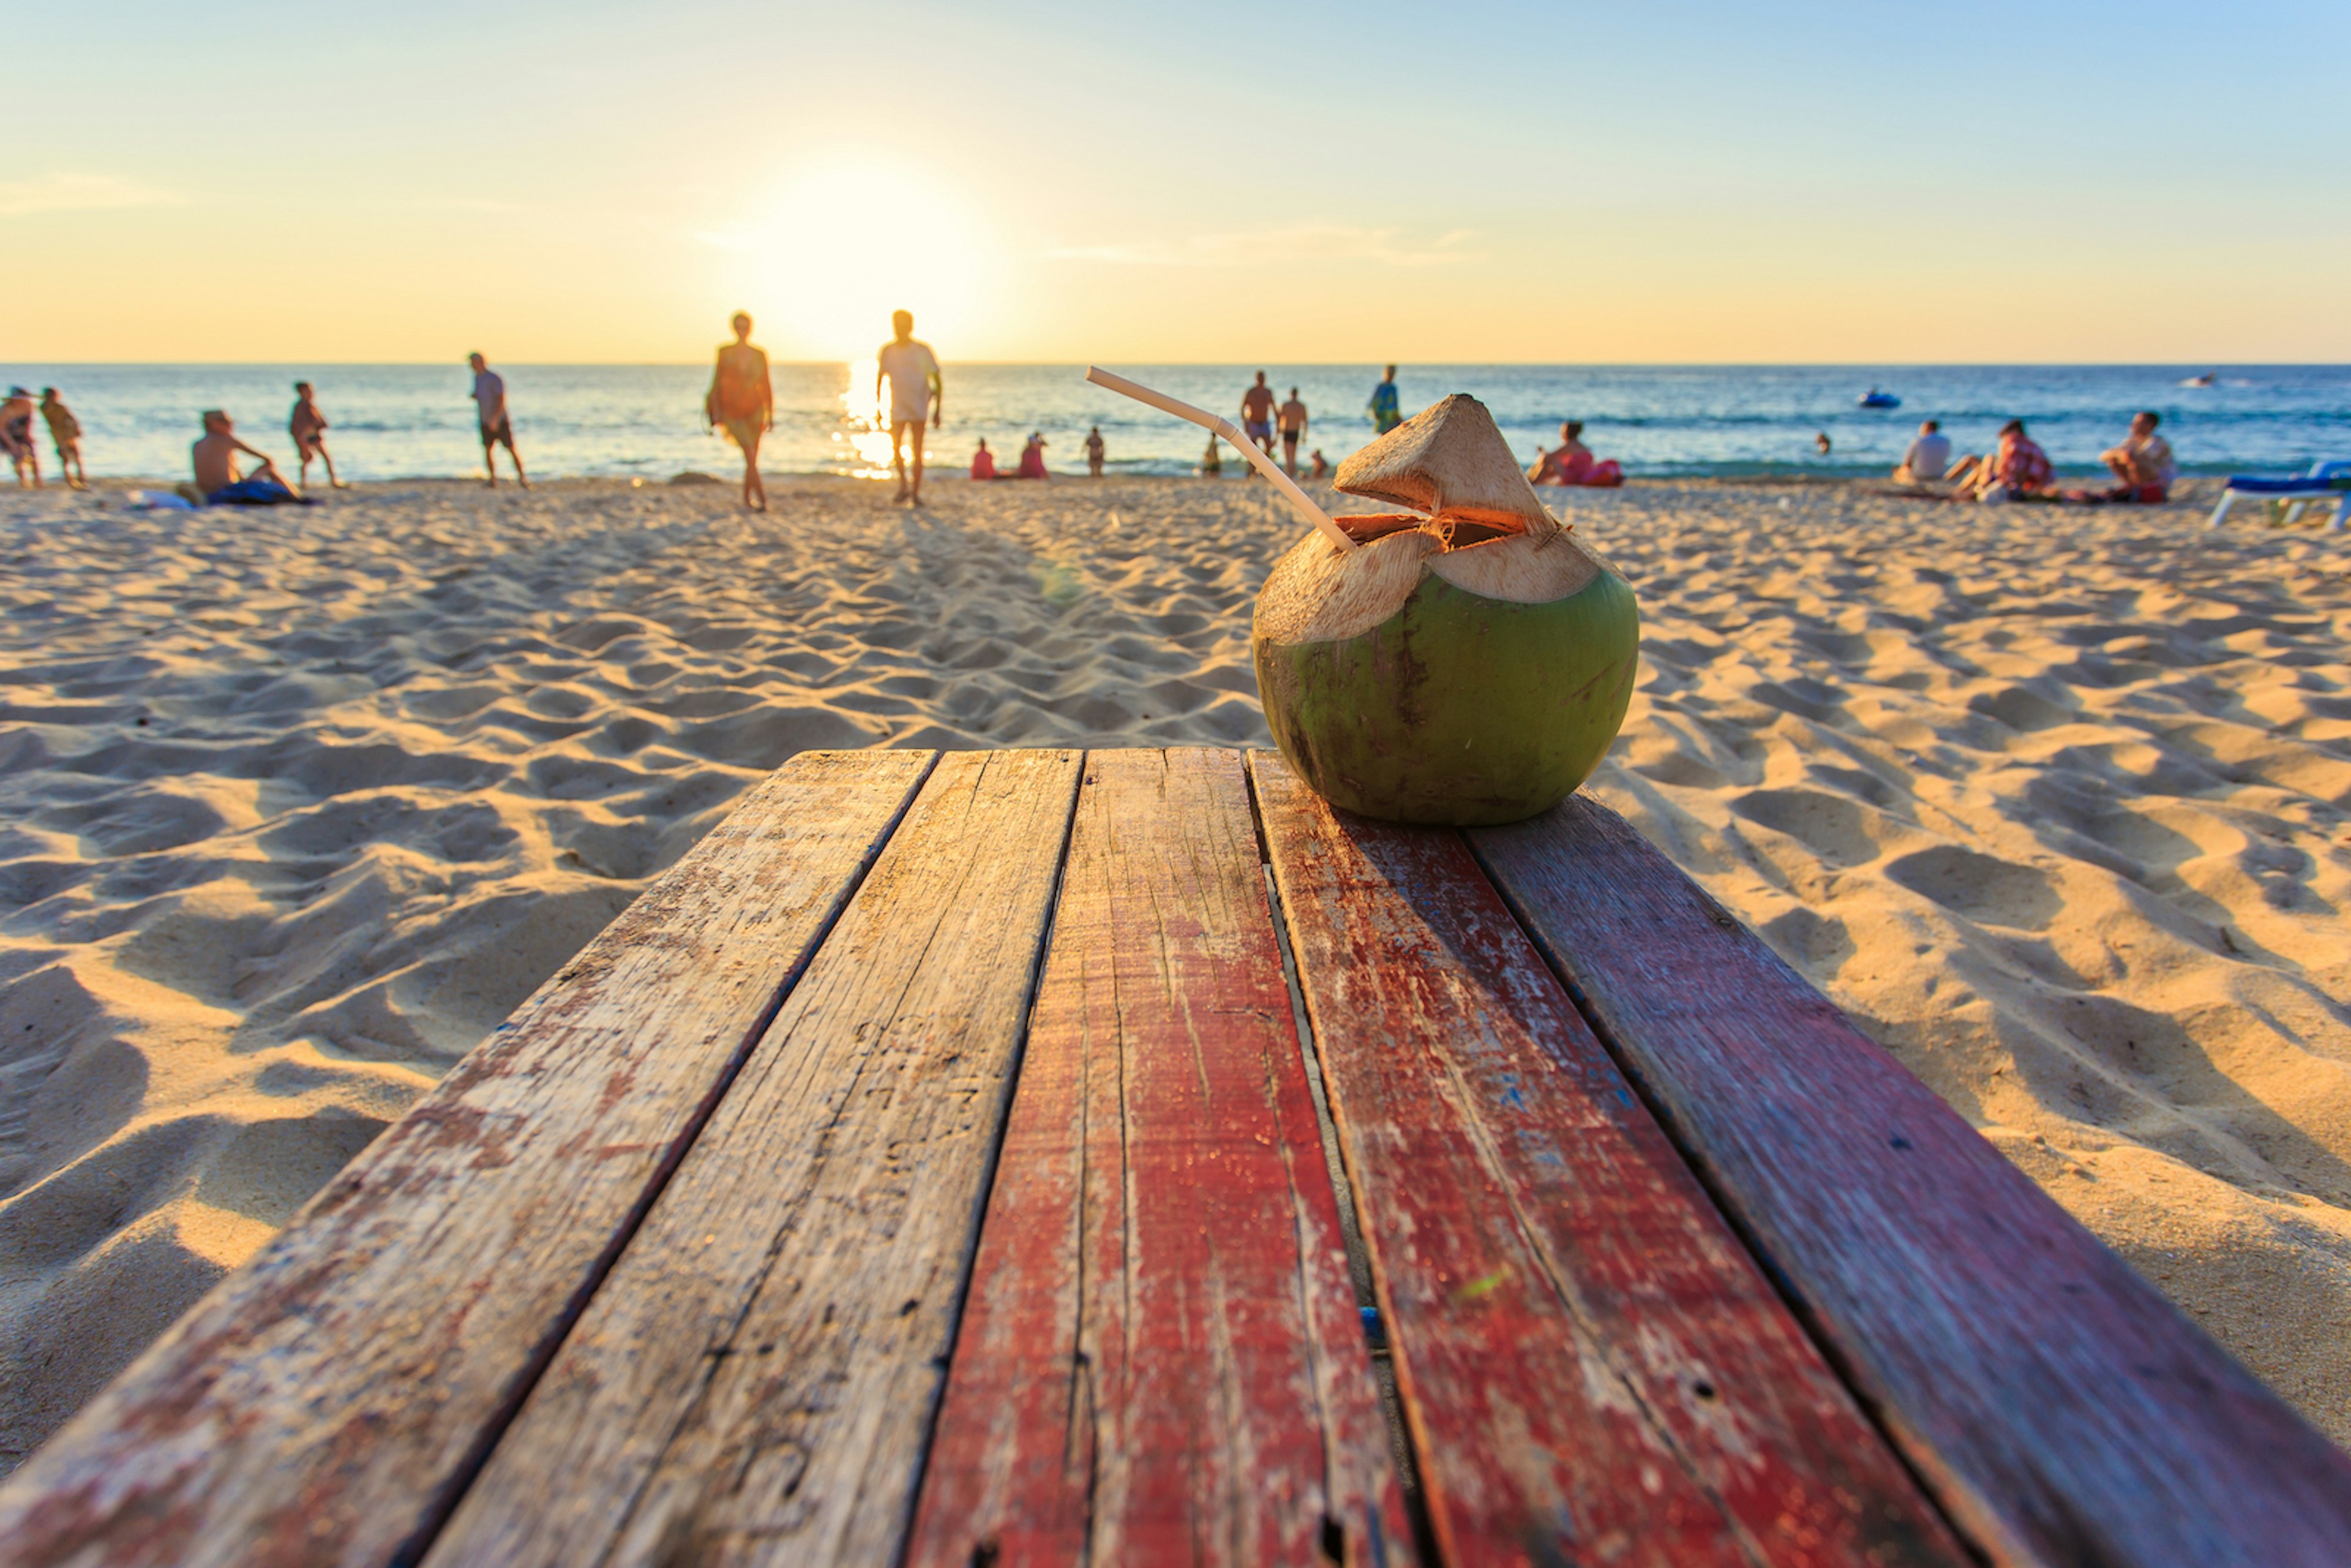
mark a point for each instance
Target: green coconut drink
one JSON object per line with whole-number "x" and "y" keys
{"x": 1469, "y": 664}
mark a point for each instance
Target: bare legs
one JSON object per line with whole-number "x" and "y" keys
{"x": 490, "y": 464}
{"x": 755, "y": 489}
{"x": 911, "y": 494}
{"x": 318, "y": 449}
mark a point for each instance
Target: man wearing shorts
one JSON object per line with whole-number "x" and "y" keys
{"x": 1293, "y": 431}
{"x": 918, "y": 399}
{"x": 308, "y": 427}
{"x": 497, "y": 426}
{"x": 1257, "y": 414}
{"x": 218, "y": 480}
{"x": 65, "y": 435}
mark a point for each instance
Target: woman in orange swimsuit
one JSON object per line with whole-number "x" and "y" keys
{"x": 742, "y": 403}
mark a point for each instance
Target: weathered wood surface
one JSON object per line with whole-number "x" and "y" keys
{"x": 1591, "y": 1366}
{"x": 1160, "y": 1360}
{"x": 322, "y": 1403}
{"x": 756, "y": 1380}
{"x": 2063, "y": 1411}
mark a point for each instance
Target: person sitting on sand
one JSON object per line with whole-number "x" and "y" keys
{"x": 217, "y": 479}
{"x": 1927, "y": 457}
{"x": 1321, "y": 466}
{"x": 1095, "y": 452}
{"x": 1032, "y": 458}
{"x": 1572, "y": 463}
{"x": 1212, "y": 463}
{"x": 2143, "y": 463}
{"x": 2017, "y": 470}
{"x": 983, "y": 462}
{"x": 742, "y": 401}
{"x": 489, "y": 396}
{"x": 308, "y": 427}
{"x": 16, "y": 436}
{"x": 1292, "y": 418}
{"x": 65, "y": 435}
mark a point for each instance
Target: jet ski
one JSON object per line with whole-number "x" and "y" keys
{"x": 1873, "y": 398}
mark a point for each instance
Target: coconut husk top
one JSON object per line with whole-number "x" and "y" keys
{"x": 1448, "y": 461}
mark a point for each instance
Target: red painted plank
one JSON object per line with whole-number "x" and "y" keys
{"x": 321, "y": 1405}
{"x": 2062, "y": 1410}
{"x": 1592, "y": 1364}
{"x": 1159, "y": 1359}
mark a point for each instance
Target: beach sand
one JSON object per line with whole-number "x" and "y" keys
{"x": 296, "y": 805}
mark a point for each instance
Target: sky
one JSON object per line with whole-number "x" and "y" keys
{"x": 1691, "y": 181}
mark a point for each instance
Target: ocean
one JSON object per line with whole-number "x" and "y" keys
{"x": 643, "y": 420}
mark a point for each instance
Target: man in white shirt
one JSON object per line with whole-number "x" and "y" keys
{"x": 2143, "y": 463}
{"x": 1929, "y": 458}
{"x": 918, "y": 399}
{"x": 490, "y": 400}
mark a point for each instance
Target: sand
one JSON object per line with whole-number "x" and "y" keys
{"x": 296, "y": 805}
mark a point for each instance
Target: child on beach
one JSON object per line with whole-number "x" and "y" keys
{"x": 1386, "y": 409}
{"x": 1095, "y": 452}
{"x": 308, "y": 427}
{"x": 1572, "y": 463}
{"x": 17, "y": 436}
{"x": 1211, "y": 464}
{"x": 213, "y": 457}
{"x": 65, "y": 435}
{"x": 742, "y": 401}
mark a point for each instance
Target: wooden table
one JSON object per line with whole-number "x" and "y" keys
{"x": 928, "y": 1168}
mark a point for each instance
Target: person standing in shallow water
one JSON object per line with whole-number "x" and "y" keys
{"x": 742, "y": 401}
{"x": 1386, "y": 404}
{"x": 489, "y": 396}
{"x": 918, "y": 399}
{"x": 307, "y": 428}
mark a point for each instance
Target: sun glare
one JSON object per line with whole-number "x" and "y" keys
{"x": 842, "y": 249}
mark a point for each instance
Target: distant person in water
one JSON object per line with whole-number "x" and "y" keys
{"x": 307, "y": 428}
{"x": 218, "y": 481}
{"x": 2017, "y": 470}
{"x": 1095, "y": 452}
{"x": 1212, "y": 461}
{"x": 65, "y": 435}
{"x": 1387, "y": 407}
{"x": 497, "y": 421}
{"x": 1292, "y": 417}
{"x": 17, "y": 436}
{"x": 1321, "y": 469}
{"x": 983, "y": 462}
{"x": 1929, "y": 456}
{"x": 1821, "y": 443}
{"x": 1257, "y": 414}
{"x": 1032, "y": 458}
{"x": 1572, "y": 463}
{"x": 2143, "y": 463}
{"x": 742, "y": 401}
{"x": 918, "y": 399}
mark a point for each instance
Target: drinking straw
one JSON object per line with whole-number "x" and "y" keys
{"x": 1300, "y": 502}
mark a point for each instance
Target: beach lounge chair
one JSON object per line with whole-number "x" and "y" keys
{"x": 2323, "y": 480}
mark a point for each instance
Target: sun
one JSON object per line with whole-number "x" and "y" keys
{"x": 835, "y": 252}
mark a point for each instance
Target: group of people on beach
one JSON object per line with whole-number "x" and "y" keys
{"x": 23, "y": 448}
{"x": 2017, "y": 469}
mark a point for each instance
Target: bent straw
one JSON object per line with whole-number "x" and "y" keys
{"x": 1300, "y": 502}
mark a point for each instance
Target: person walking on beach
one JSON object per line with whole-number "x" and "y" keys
{"x": 65, "y": 435}
{"x": 2143, "y": 463}
{"x": 17, "y": 436}
{"x": 1386, "y": 409}
{"x": 742, "y": 401}
{"x": 918, "y": 399}
{"x": 213, "y": 458}
{"x": 1292, "y": 418}
{"x": 1095, "y": 452}
{"x": 308, "y": 427}
{"x": 1257, "y": 414}
{"x": 1929, "y": 456}
{"x": 498, "y": 424}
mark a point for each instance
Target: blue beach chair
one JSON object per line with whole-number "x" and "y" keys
{"x": 2324, "y": 479}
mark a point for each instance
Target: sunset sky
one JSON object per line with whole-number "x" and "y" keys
{"x": 1695, "y": 182}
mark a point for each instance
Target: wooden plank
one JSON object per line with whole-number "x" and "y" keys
{"x": 1161, "y": 1359}
{"x": 319, "y": 1405}
{"x": 2061, "y": 1408}
{"x": 756, "y": 1380}
{"x": 1593, "y": 1367}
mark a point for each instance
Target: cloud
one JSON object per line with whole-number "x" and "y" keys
{"x": 1296, "y": 242}
{"x": 77, "y": 194}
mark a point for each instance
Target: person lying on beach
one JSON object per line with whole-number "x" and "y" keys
{"x": 2017, "y": 470}
{"x": 1572, "y": 463}
{"x": 1927, "y": 459}
{"x": 918, "y": 398}
{"x": 217, "y": 478}
{"x": 489, "y": 396}
{"x": 1095, "y": 452}
{"x": 65, "y": 435}
{"x": 1257, "y": 414}
{"x": 2143, "y": 463}
{"x": 16, "y": 436}
{"x": 983, "y": 462}
{"x": 308, "y": 427}
{"x": 1292, "y": 417}
{"x": 742, "y": 401}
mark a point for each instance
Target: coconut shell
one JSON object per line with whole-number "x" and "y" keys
{"x": 1450, "y": 461}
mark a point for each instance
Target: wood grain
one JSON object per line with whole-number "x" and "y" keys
{"x": 1593, "y": 1367}
{"x": 756, "y": 1380}
{"x": 321, "y": 1404}
{"x": 2062, "y": 1409}
{"x": 1161, "y": 1359}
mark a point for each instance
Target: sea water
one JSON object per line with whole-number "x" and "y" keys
{"x": 645, "y": 421}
